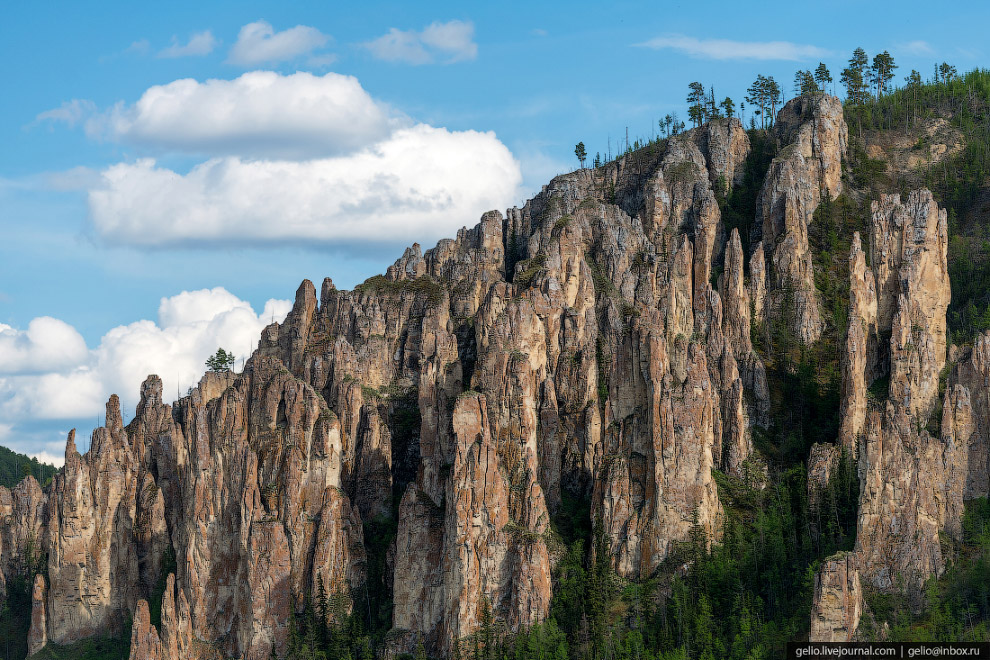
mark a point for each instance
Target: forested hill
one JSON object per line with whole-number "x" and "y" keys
{"x": 14, "y": 467}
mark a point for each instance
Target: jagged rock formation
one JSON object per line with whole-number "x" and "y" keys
{"x": 175, "y": 640}
{"x": 38, "y": 634}
{"x": 22, "y": 527}
{"x": 809, "y": 166}
{"x": 145, "y": 642}
{"x": 969, "y": 421}
{"x": 593, "y": 344}
{"x": 861, "y": 363}
{"x": 106, "y": 533}
{"x": 912, "y": 482}
{"x": 838, "y": 600}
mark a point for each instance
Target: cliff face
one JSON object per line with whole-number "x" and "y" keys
{"x": 808, "y": 167}
{"x": 593, "y": 345}
{"x": 913, "y": 481}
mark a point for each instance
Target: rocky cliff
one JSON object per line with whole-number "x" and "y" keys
{"x": 593, "y": 345}
{"x": 911, "y": 419}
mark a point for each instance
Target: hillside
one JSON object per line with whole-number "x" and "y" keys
{"x": 14, "y": 467}
{"x": 725, "y": 391}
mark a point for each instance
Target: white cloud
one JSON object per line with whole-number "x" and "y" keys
{"x": 58, "y": 460}
{"x": 452, "y": 41}
{"x": 47, "y": 344}
{"x": 726, "y": 49}
{"x": 45, "y": 445}
{"x": 916, "y": 47}
{"x": 261, "y": 113}
{"x": 201, "y": 43}
{"x": 421, "y": 183}
{"x": 259, "y": 42}
{"x": 70, "y": 112}
{"x": 190, "y": 327}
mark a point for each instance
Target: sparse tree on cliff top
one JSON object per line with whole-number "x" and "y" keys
{"x": 804, "y": 83}
{"x": 221, "y": 361}
{"x": 823, "y": 76}
{"x": 696, "y": 103}
{"x": 728, "y": 107}
{"x": 581, "y": 154}
{"x": 765, "y": 94}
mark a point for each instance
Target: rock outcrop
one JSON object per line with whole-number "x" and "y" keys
{"x": 175, "y": 641}
{"x": 908, "y": 477}
{"x": 38, "y": 633}
{"x": 968, "y": 400}
{"x": 23, "y": 529}
{"x": 813, "y": 136}
{"x": 861, "y": 363}
{"x": 838, "y": 600}
{"x": 106, "y": 533}
{"x": 145, "y": 643}
{"x": 593, "y": 345}
{"x": 912, "y": 481}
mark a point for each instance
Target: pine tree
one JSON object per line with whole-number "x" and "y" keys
{"x": 221, "y": 361}
{"x": 854, "y": 78}
{"x": 946, "y": 71}
{"x": 728, "y": 107}
{"x": 711, "y": 107}
{"x": 823, "y": 76}
{"x": 696, "y": 103}
{"x": 774, "y": 97}
{"x": 765, "y": 94}
{"x": 804, "y": 83}
{"x": 882, "y": 72}
{"x": 581, "y": 154}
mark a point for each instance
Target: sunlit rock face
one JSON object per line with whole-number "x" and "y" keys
{"x": 593, "y": 344}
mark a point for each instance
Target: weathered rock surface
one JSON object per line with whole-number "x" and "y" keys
{"x": 912, "y": 483}
{"x": 909, "y": 244}
{"x": 38, "y": 634}
{"x": 838, "y": 600}
{"x": 969, "y": 399}
{"x": 23, "y": 528}
{"x": 813, "y": 135}
{"x": 593, "y": 344}
{"x": 106, "y": 533}
{"x": 145, "y": 643}
{"x": 175, "y": 642}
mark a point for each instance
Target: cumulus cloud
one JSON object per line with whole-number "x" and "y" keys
{"x": 261, "y": 113}
{"x": 448, "y": 42}
{"x": 421, "y": 183}
{"x": 201, "y": 43}
{"x": 259, "y": 43}
{"x": 726, "y": 49}
{"x": 76, "y": 383}
{"x": 293, "y": 159}
{"x": 47, "y": 344}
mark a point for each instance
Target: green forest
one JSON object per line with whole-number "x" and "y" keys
{"x": 14, "y": 467}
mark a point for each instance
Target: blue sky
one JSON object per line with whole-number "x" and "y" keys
{"x": 150, "y": 220}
